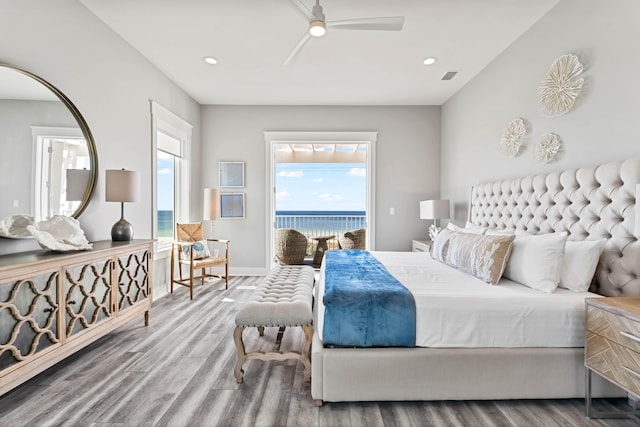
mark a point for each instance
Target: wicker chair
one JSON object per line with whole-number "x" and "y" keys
{"x": 291, "y": 246}
{"x": 356, "y": 239}
{"x": 187, "y": 235}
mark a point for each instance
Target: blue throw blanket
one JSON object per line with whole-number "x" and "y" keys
{"x": 365, "y": 306}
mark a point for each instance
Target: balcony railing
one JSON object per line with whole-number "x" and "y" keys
{"x": 321, "y": 225}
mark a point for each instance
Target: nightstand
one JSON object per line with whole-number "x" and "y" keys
{"x": 612, "y": 346}
{"x": 420, "y": 245}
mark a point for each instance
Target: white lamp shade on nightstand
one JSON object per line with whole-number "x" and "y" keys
{"x": 434, "y": 209}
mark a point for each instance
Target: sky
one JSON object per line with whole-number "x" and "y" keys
{"x": 165, "y": 181}
{"x": 299, "y": 186}
{"x": 321, "y": 187}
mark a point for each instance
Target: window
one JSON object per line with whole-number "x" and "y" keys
{"x": 172, "y": 137}
{"x": 166, "y": 179}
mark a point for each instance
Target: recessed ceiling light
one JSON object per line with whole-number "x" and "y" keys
{"x": 430, "y": 60}
{"x": 210, "y": 60}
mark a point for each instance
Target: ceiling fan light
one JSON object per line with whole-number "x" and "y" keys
{"x": 317, "y": 29}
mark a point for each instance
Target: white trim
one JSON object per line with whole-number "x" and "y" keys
{"x": 285, "y": 137}
{"x": 171, "y": 124}
{"x": 38, "y": 168}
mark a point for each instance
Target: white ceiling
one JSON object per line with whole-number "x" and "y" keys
{"x": 251, "y": 39}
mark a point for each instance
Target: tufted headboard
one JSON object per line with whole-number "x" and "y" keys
{"x": 589, "y": 203}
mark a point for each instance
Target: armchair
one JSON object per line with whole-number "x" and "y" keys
{"x": 193, "y": 252}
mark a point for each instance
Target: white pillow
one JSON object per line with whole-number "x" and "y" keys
{"x": 492, "y": 232}
{"x": 579, "y": 264}
{"x": 470, "y": 228}
{"x": 536, "y": 260}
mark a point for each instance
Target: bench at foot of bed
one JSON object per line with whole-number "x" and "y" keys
{"x": 283, "y": 299}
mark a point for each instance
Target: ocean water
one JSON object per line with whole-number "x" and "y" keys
{"x": 318, "y": 223}
{"x": 165, "y": 224}
{"x": 309, "y": 222}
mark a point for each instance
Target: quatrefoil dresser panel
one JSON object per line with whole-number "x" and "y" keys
{"x": 53, "y": 304}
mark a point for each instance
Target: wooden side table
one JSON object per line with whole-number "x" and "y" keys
{"x": 321, "y": 248}
{"x": 420, "y": 245}
{"x": 612, "y": 347}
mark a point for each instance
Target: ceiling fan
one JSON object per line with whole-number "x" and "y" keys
{"x": 318, "y": 25}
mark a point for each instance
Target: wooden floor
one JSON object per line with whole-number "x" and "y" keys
{"x": 179, "y": 372}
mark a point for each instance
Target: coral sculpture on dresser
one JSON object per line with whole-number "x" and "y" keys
{"x": 15, "y": 226}
{"x": 60, "y": 233}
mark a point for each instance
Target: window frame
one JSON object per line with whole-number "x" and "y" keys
{"x": 167, "y": 122}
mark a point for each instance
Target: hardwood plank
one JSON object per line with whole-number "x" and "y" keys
{"x": 178, "y": 371}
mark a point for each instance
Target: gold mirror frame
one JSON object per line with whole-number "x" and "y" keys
{"x": 84, "y": 127}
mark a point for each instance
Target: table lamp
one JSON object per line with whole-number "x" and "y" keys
{"x": 435, "y": 210}
{"x": 122, "y": 186}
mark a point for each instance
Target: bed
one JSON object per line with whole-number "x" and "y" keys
{"x": 474, "y": 359}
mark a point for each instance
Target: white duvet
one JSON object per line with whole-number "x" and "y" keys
{"x": 454, "y": 309}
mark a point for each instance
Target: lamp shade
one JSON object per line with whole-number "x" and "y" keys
{"x": 77, "y": 182}
{"x": 211, "y": 204}
{"x": 434, "y": 209}
{"x": 122, "y": 185}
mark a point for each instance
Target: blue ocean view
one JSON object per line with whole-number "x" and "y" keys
{"x": 304, "y": 221}
{"x": 165, "y": 224}
{"x": 321, "y": 222}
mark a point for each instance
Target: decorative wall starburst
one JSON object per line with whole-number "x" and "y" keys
{"x": 547, "y": 148}
{"x": 512, "y": 137}
{"x": 561, "y": 86}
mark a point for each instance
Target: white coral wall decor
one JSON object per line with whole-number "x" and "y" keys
{"x": 547, "y": 148}
{"x": 512, "y": 136}
{"x": 561, "y": 86}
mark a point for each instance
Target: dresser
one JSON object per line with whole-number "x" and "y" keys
{"x": 612, "y": 347}
{"x": 54, "y": 304}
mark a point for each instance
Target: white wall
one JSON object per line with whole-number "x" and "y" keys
{"x": 110, "y": 83}
{"x": 602, "y": 127}
{"x": 407, "y": 166}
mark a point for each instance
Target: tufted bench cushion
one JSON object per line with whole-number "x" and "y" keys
{"x": 284, "y": 298}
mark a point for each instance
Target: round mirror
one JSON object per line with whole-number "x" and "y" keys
{"x": 48, "y": 159}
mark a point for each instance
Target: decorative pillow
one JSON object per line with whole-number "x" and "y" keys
{"x": 200, "y": 250}
{"x": 536, "y": 260}
{"x": 473, "y": 229}
{"x": 468, "y": 226}
{"x": 492, "y": 232}
{"x": 579, "y": 264}
{"x": 481, "y": 256}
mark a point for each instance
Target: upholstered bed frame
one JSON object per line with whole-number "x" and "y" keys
{"x": 589, "y": 203}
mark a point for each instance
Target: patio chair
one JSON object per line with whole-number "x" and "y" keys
{"x": 355, "y": 239}
{"x": 291, "y": 246}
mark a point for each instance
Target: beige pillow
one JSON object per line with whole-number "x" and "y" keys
{"x": 481, "y": 256}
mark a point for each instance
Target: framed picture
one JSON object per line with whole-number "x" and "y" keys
{"x": 232, "y": 205}
{"x": 232, "y": 174}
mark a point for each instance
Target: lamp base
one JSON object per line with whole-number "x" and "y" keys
{"x": 122, "y": 231}
{"x": 433, "y": 232}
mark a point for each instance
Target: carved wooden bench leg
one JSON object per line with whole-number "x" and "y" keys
{"x": 306, "y": 352}
{"x": 242, "y": 355}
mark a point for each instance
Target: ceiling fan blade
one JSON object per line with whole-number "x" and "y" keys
{"x": 304, "y": 9}
{"x": 297, "y": 49}
{"x": 388, "y": 23}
